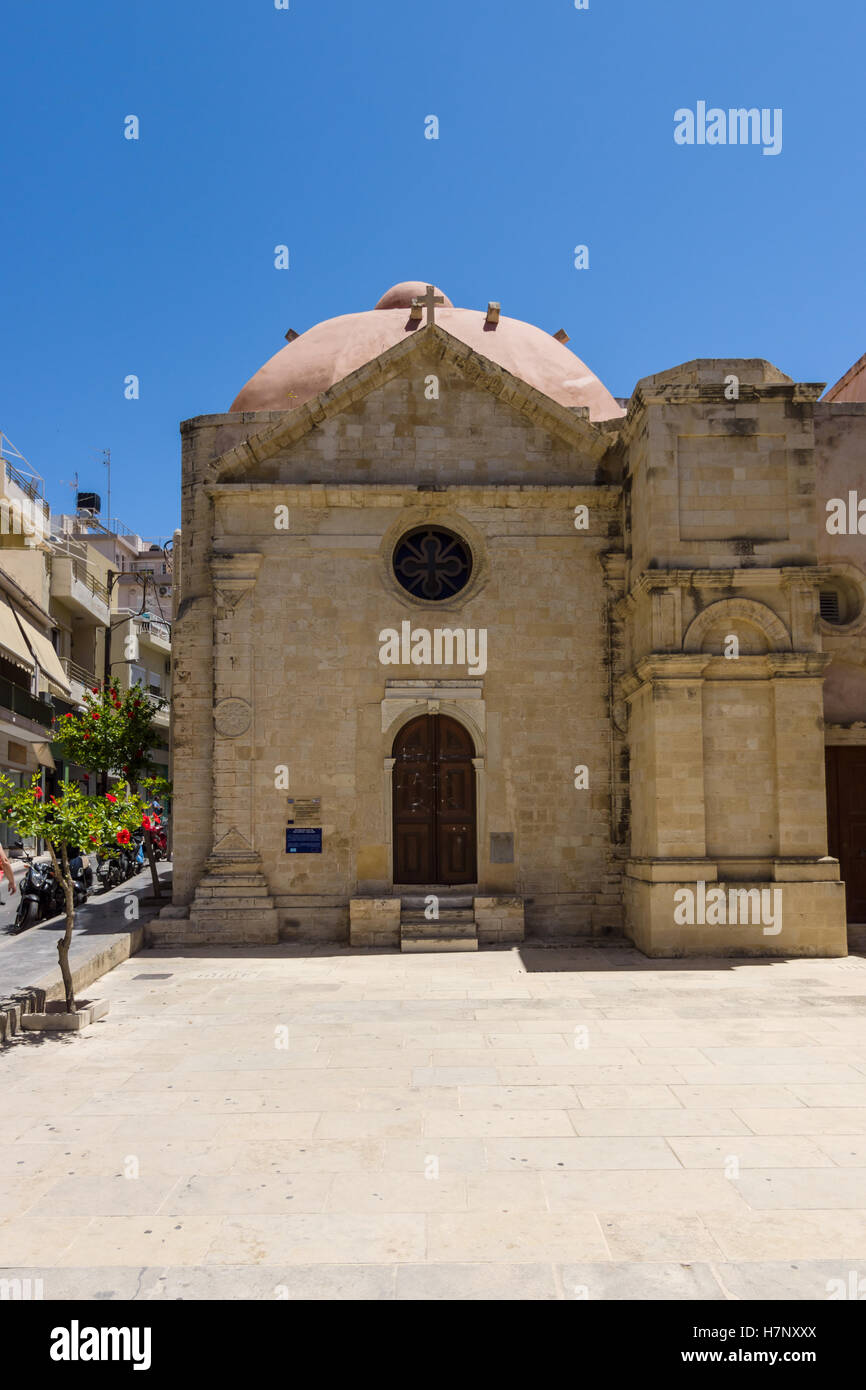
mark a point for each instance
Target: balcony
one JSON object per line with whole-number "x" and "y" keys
{"x": 73, "y": 584}
{"x": 22, "y": 706}
{"x": 161, "y": 711}
{"x": 154, "y": 633}
{"x": 79, "y": 678}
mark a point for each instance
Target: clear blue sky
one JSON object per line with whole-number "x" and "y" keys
{"x": 306, "y": 127}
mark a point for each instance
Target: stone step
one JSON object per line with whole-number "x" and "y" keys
{"x": 228, "y": 881}
{"x": 232, "y": 890}
{"x": 414, "y": 901}
{"x": 417, "y": 944}
{"x": 231, "y": 903}
{"x": 414, "y": 917}
{"x": 438, "y": 929}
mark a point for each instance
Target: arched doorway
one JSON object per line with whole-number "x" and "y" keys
{"x": 434, "y": 802}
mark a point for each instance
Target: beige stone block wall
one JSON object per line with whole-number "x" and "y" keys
{"x": 739, "y": 748}
{"x": 374, "y": 922}
{"x": 499, "y": 920}
{"x": 713, "y": 480}
{"x": 812, "y": 922}
{"x": 320, "y": 600}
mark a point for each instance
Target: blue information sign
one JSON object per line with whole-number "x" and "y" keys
{"x": 303, "y": 841}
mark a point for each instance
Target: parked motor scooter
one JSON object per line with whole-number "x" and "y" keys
{"x": 42, "y": 894}
{"x": 136, "y": 847}
{"x": 109, "y": 869}
{"x": 130, "y": 857}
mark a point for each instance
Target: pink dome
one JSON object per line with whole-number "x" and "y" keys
{"x": 331, "y": 350}
{"x": 401, "y": 296}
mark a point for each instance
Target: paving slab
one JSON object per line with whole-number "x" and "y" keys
{"x": 526, "y": 1124}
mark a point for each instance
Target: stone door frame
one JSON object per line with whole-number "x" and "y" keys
{"x": 462, "y": 703}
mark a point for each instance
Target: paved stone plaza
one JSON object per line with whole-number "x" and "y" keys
{"x": 525, "y": 1123}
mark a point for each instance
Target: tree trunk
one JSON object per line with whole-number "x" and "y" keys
{"x": 65, "y": 877}
{"x": 157, "y": 887}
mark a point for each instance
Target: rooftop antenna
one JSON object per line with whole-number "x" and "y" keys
{"x": 64, "y": 482}
{"x": 106, "y": 459}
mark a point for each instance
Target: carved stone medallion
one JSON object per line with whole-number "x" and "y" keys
{"x": 232, "y": 717}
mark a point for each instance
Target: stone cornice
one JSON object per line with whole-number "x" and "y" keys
{"x": 605, "y": 495}
{"x": 809, "y": 664}
{"x": 661, "y": 667}
{"x": 649, "y": 581}
{"x": 672, "y": 393}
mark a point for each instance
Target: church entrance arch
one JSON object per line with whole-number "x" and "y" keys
{"x": 435, "y": 830}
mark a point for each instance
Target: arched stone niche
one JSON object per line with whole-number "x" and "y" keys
{"x": 758, "y": 628}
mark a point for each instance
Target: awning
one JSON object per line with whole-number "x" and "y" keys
{"x": 11, "y": 638}
{"x": 43, "y": 756}
{"x": 49, "y": 661}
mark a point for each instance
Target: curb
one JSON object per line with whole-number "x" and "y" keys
{"x": 33, "y": 998}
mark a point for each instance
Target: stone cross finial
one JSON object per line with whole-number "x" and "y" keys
{"x": 428, "y": 301}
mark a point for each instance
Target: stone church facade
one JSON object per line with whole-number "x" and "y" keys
{"x": 467, "y": 650}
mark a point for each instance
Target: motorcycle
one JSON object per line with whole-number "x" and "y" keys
{"x": 109, "y": 870}
{"x": 42, "y": 894}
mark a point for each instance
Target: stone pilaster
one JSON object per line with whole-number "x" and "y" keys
{"x": 799, "y": 736}
{"x": 233, "y": 902}
{"x": 666, "y": 737}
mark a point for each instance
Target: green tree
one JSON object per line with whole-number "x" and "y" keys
{"x": 113, "y": 735}
{"x": 114, "y": 732}
{"x": 68, "y": 822}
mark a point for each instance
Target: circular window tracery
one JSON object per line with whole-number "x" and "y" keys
{"x": 432, "y": 563}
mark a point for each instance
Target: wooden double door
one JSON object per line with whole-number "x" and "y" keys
{"x": 846, "y": 822}
{"x": 434, "y": 802}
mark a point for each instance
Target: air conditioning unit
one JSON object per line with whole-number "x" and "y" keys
{"x": 164, "y": 590}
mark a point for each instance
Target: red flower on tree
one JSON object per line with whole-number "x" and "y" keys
{"x": 145, "y": 823}
{"x": 109, "y": 797}
{"x": 123, "y": 837}
{"x": 37, "y": 792}
{"x": 94, "y": 715}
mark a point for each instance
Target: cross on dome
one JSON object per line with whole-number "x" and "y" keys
{"x": 428, "y": 301}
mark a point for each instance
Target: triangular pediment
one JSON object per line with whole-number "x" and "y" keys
{"x": 429, "y": 345}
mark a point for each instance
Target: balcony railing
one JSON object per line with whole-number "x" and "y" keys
{"x": 31, "y": 485}
{"x": 78, "y": 673}
{"x": 154, "y": 628}
{"x": 83, "y": 576}
{"x": 19, "y": 701}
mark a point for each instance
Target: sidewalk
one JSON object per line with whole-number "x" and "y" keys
{"x": 29, "y": 972}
